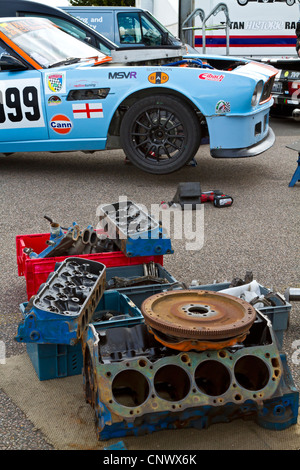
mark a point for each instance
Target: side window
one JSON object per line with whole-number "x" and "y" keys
{"x": 103, "y": 48}
{"x": 65, "y": 26}
{"x": 151, "y": 35}
{"x": 129, "y": 28}
{"x": 4, "y": 49}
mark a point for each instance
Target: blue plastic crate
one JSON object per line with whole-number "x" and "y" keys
{"x": 278, "y": 314}
{"x": 122, "y": 311}
{"x": 133, "y": 271}
{"x": 54, "y": 361}
{"x": 139, "y": 293}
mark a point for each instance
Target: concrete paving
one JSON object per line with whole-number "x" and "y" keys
{"x": 260, "y": 233}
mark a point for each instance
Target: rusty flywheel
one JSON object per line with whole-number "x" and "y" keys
{"x": 198, "y": 315}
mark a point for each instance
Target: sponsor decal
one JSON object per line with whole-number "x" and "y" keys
{"x": 14, "y": 28}
{"x": 222, "y": 107}
{"x": 158, "y": 78}
{"x": 53, "y": 100}
{"x": 121, "y": 75}
{"x": 61, "y": 124}
{"x": 211, "y": 77}
{"x": 84, "y": 84}
{"x": 87, "y": 110}
{"x": 55, "y": 83}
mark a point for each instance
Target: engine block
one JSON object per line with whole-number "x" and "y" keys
{"x": 136, "y": 385}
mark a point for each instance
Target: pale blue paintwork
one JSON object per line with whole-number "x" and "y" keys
{"x": 234, "y": 128}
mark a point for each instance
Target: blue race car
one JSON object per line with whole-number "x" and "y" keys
{"x": 60, "y": 94}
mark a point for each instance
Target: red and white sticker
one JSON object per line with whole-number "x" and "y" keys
{"x": 61, "y": 124}
{"x": 211, "y": 77}
{"x": 87, "y": 110}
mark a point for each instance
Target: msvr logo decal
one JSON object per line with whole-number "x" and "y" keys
{"x": 121, "y": 75}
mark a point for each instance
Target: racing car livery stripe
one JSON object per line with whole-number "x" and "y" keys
{"x": 103, "y": 60}
{"x": 246, "y": 41}
{"x": 19, "y": 51}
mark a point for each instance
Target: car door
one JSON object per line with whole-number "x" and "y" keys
{"x": 77, "y": 104}
{"x": 21, "y": 102}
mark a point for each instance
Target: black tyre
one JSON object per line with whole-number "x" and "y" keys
{"x": 160, "y": 134}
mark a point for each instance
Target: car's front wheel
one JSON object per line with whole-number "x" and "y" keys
{"x": 160, "y": 134}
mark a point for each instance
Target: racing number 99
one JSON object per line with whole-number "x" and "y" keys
{"x": 13, "y": 101}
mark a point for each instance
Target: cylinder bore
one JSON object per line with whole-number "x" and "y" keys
{"x": 130, "y": 388}
{"x": 172, "y": 383}
{"x": 212, "y": 378}
{"x": 251, "y": 373}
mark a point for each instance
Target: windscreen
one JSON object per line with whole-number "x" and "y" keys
{"x": 45, "y": 42}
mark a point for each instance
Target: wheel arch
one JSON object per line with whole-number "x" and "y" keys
{"x": 114, "y": 127}
{"x": 160, "y": 133}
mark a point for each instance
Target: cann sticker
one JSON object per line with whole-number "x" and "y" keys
{"x": 211, "y": 77}
{"x": 61, "y": 124}
{"x": 158, "y": 78}
{"x": 222, "y": 107}
{"x": 55, "y": 83}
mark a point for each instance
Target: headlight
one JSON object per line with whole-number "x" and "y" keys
{"x": 257, "y": 93}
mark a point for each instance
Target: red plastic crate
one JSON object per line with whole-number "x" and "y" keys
{"x": 36, "y": 271}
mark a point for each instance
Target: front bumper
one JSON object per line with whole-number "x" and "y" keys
{"x": 240, "y": 135}
{"x": 255, "y": 149}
